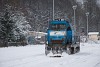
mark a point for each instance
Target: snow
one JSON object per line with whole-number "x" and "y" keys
{"x": 91, "y": 33}
{"x": 98, "y": 3}
{"x": 33, "y": 56}
{"x": 41, "y": 33}
{"x": 80, "y": 1}
{"x": 38, "y": 37}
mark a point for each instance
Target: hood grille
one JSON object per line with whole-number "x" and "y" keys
{"x": 57, "y": 41}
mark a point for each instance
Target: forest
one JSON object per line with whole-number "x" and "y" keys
{"x": 19, "y": 16}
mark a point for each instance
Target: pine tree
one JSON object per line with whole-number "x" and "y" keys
{"x": 6, "y": 29}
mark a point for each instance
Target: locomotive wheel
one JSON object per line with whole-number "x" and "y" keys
{"x": 70, "y": 50}
{"x": 47, "y": 50}
{"x": 77, "y": 49}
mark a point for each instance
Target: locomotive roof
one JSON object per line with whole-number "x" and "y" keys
{"x": 59, "y": 22}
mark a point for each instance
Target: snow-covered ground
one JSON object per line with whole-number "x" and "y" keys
{"x": 33, "y": 56}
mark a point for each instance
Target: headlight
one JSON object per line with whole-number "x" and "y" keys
{"x": 47, "y": 42}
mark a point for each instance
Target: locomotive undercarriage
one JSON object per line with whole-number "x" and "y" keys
{"x": 59, "y": 48}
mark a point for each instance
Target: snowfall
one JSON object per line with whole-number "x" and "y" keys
{"x": 34, "y": 56}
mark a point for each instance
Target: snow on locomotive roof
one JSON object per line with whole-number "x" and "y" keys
{"x": 60, "y": 19}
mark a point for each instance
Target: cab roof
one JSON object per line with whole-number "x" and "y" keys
{"x": 59, "y": 22}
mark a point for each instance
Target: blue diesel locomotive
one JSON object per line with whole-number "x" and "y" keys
{"x": 60, "y": 38}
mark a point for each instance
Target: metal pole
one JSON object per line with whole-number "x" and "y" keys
{"x": 87, "y": 26}
{"x": 74, "y": 8}
{"x": 53, "y": 9}
{"x": 74, "y": 22}
{"x": 87, "y": 14}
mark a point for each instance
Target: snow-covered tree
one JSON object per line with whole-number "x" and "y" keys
{"x": 6, "y": 27}
{"x": 22, "y": 25}
{"x": 13, "y": 25}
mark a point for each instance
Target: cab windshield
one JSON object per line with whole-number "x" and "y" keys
{"x": 58, "y": 26}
